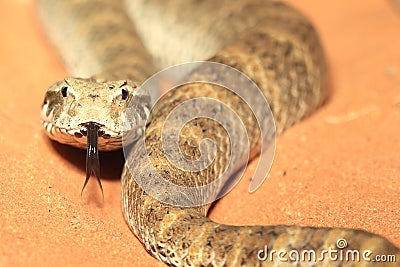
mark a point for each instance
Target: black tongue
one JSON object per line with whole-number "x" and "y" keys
{"x": 92, "y": 155}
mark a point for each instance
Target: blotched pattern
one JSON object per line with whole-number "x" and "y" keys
{"x": 270, "y": 42}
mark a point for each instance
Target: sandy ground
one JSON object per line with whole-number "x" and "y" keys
{"x": 339, "y": 168}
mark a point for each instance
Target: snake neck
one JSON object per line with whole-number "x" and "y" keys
{"x": 96, "y": 38}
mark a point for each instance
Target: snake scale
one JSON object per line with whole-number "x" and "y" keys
{"x": 114, "y": 46}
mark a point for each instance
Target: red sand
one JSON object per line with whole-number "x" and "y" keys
{"x": 339, "y": 168}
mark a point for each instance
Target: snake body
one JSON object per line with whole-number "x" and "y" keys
{"x": 273, "y": 44}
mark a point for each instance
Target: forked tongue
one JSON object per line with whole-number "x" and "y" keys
{"x": 92, "y": 155}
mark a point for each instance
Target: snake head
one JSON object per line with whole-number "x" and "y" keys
{"x": 91, "y": 114}
{"x": 72, "y": 104}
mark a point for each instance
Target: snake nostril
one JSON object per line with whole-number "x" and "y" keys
{"x": 124, "y": 94}
{"x": 106, "y": 136}
{"x": 78, "y": 135}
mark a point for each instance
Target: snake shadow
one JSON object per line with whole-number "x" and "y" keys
{"x": 111, "y": 163}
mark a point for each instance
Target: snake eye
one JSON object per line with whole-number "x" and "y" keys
{"x": 124, "y": 94}
{"x": 64, "y": 91}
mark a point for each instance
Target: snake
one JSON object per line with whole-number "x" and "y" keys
{"x": 112, "y": 47}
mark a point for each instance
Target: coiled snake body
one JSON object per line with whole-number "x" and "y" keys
{"x": 270, "y": 42}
